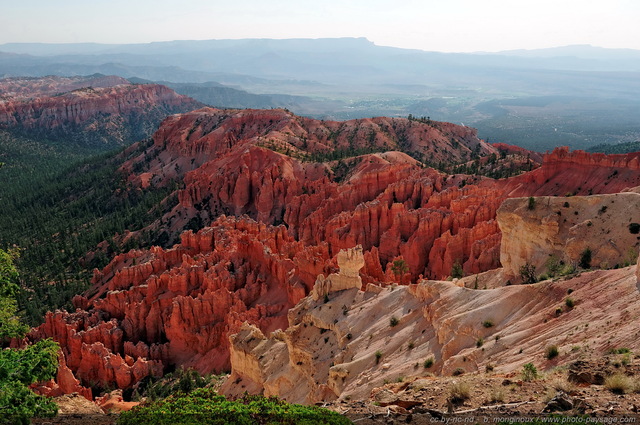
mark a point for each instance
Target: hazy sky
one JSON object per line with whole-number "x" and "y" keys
{"x": 442, "y": 25}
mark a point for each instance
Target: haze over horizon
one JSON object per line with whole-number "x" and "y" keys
{"x": 455, "y": 26}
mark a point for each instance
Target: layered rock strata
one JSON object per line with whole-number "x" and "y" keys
{"x": 355, "y": 341}
{"x": 104, "y": 109}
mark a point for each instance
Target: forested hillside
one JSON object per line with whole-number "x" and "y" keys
{"x": 58, "y": 208}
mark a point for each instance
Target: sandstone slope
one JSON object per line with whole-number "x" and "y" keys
{"x": 560, "y": 230}
{"x": 355, "y": 341}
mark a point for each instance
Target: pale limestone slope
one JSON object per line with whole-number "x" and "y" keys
{"x": 326, "y": 354}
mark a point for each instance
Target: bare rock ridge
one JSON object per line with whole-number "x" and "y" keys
{"x": 352, "y": 342}
{"x": 325, "y": 354}
{"x": 564, "y": 228}
{"x": 87, "y": 108}
{"x": 577, "y": 172}
{"x": 279, "y": 199}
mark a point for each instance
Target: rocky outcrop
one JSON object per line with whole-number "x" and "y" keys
{"x": 64, "y": 383}
{"x": 278, "y": 197}
{"x": 344, "y": 347}
{"x": 257, "y": 163}
{"x": 350, "y": 261}
{"x": 565, "y": 173}
{"x": 91, "y": 110}
{"x": 563, "y": 229}
{"x": 26, "y": 88}
{"x": 155, "y": 308}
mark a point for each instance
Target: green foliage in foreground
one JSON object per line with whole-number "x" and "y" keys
{"x": 19, "y": 368}
{"x": 205, "y": 406}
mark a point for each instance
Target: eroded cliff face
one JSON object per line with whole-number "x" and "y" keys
{"x": 344, "y": 347}
{"x": 567, "y": 173}
{"x": 351, "y": 341}
{"x": 561, "y": 229}
{"x": 156, "y": 308}
{"x": 101, "y": 110}
{"x": 261, "y": 163}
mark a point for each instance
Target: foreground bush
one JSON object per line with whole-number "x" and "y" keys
{"x": 205, "y": 406}
{"x": 619, "y": 383}
{"x": 19, "y": 368}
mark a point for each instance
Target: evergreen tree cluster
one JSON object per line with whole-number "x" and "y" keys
{"x": 56, "y": 209}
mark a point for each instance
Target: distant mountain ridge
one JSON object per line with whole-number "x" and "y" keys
{"x": 327, "y": 59}
{"x": 596, "y": 89}
{"x": 97, "y": 110}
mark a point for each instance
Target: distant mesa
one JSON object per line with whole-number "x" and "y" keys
{"x": 98, "y": 111}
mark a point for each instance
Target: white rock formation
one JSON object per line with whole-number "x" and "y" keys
{"x": 350, "y": 262}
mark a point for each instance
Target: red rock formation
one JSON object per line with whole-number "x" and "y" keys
{"x": 64, "y": 106}
{"x": 579, "y": 173}
{"x": 64, "y": 383}
{"x": 517, "y": 150}
{"x": 154, "y": 308}
{"x": 178, "y": 306}
{"x": 24, "y": 88}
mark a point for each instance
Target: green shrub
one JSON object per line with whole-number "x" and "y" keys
{"x": 21, "y": 367}
{"x": 428, "y": 363}
{"x": 487, "y": 323}
{"x": 531, "y": 204}
{"x": 622, "y": 350}
{"x": 554, "y": 265}
{"x": 529, "y": 372}
{"x": 399, "y": 268}
{"x": 456, "y": 271}
{"x": 393, "y": 321}
{"x": 551, "y": 352}
{"x": 528, "y": 273}
{"x": 568, "y": 270}
{"x": 18, "y": 369}
{"x": 378, "y": 355}
{"x": 497, "y": 395}
{"x": 634, "y": 228}
{"x": 204, "y": 405}
{"x": 479, "y": 342}
{"x": 569, "y": 302}
{"x": 585, "y": 259}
